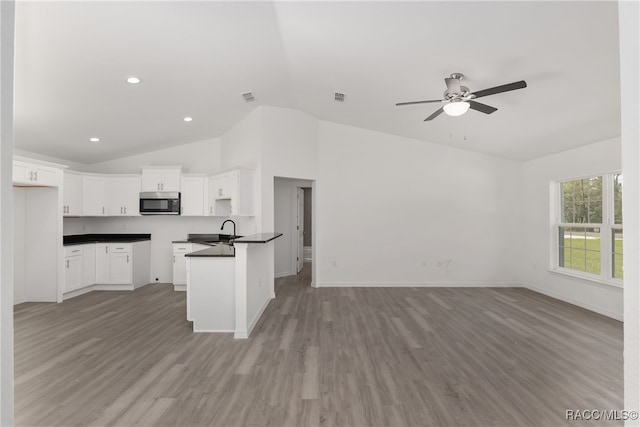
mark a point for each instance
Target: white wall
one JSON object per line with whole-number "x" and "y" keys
{"x": 196, "y": 157}
{"x": 163, "y": 230}
{"x": 7, "y": 25}
{"x": 629, "y": 18}
{"x": 240, "y": 146}
{"x": 289, "y": 149}
{"x": 395, "y": 211}
{"x": 285, "y": 217}
{"x": 19, "y": 244}
{"x": 592, "y": 159}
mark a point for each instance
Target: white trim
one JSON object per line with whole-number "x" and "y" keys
{"x": 223, "y": 331}
{"x": 575, "y": 302}
{"x": 418, "y": 285}
{"x": 284, "y": 274}
{"x": 272, "y": 295}
{"x": 257, "y": 316}
{"x": 240, "y": 334}
{"x": 77, "y": 292}
{"x": 180, "y": 288}
{"x": 590, "y": 279}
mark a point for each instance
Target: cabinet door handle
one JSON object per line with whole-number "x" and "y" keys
{"x": 219, "y": 191}
{"x": 67, "y": 263}
{"x": 120, "y": 248}
{"x": 35, "y": 174}
{"x": 103, "y": 210}
{"x": 125, "y": 209}
{"x": 77, "y": 250}
{"x": 31, "y": 176}
{"x": 120, "y": 210}
{"x": 127, "y": 258}
{"x": 174, "y": 259}
{"x": 106, "y": 249}
{"x": 211, "y": 209}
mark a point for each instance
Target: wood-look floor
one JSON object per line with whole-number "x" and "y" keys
{"x": 335, "y": 357}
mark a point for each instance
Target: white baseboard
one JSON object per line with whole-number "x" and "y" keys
{"x": 611, "y": 314}
{"x": 218, "y": 331}
{"x": 180, "y": 288}
{"x": 418, "y": 285}
{"x": 113, "y": 287}
{"x": 283, "y": 274}
{"x": 78, "y": 292}
{"x": 244, "y": 334}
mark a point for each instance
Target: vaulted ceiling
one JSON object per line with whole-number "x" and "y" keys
{"x": 197, "y": 58}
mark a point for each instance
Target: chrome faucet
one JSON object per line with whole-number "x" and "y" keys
{"x": 234, "y": 227}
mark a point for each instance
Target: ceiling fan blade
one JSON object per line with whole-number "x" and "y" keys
{"x": 484, "y": 108}
{"x": 453, "y": 85}
{"x": 499, "y": 89}
{"x": 435, "y": 114}
{"x": 418, "y": 102}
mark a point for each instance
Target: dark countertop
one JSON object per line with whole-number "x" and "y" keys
{"x": 79, "y": 239}
{"x": 258, "y": 238}
{"x": 219, "y": 250}
{"x": 207, "y": 239}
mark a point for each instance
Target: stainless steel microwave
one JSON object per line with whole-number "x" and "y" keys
{"x": 160, "y": 203}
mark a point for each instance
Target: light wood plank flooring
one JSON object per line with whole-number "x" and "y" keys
{"x": 335, "y": 357}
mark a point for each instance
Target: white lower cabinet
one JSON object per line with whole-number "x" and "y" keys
{"x": 180, "y": 263}
{"x": 73, "y": 268}
{"x": 88, "y": 264}
{"x": 102, "y": 263}
{"x": 120, "y": 271}
{"x": 107, "y": 266}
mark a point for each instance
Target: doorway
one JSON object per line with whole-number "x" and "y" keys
{"x": 293, "y": 216}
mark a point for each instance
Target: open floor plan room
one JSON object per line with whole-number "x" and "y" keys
{"x": 334, "y": 357}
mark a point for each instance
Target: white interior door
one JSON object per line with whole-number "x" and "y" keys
{"x": 300, "y": 228}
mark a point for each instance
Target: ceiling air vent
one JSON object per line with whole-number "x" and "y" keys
{"x": 248, "y": 96}
{"x": 339, "y": 96}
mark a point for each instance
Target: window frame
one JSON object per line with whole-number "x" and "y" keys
{"x": 606, "y": 229}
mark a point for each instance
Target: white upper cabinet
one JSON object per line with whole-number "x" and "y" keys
{"x": 193, "y": 194}
{"x": 210, "y": 196}
{"x": 225, "y": 185}
{"x": 123, "y": 195}
{"x": 35, "y": 174}
{"x": 232, "y": 193}
{"x": 72, "y": 194}
{"x": 161, "y": 179}
{"x": 93, "y": 195}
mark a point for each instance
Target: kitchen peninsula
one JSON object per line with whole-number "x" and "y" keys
{"x": 230, "y": 285}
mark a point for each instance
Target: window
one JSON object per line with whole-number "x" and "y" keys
{"x": 589, "y": 227}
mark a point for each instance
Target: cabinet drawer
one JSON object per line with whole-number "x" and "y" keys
{"x": 182, "y": 248}
{"x": 73, "y": 250}
{"x": 120, "y": 247}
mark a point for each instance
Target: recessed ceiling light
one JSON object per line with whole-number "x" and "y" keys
{"x": 188, "y": 119}
{"x": 133, "y": 80}
{"x": 94, "y": 139}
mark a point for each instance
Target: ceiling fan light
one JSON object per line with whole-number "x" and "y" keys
{"x": 456, "y": 108}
